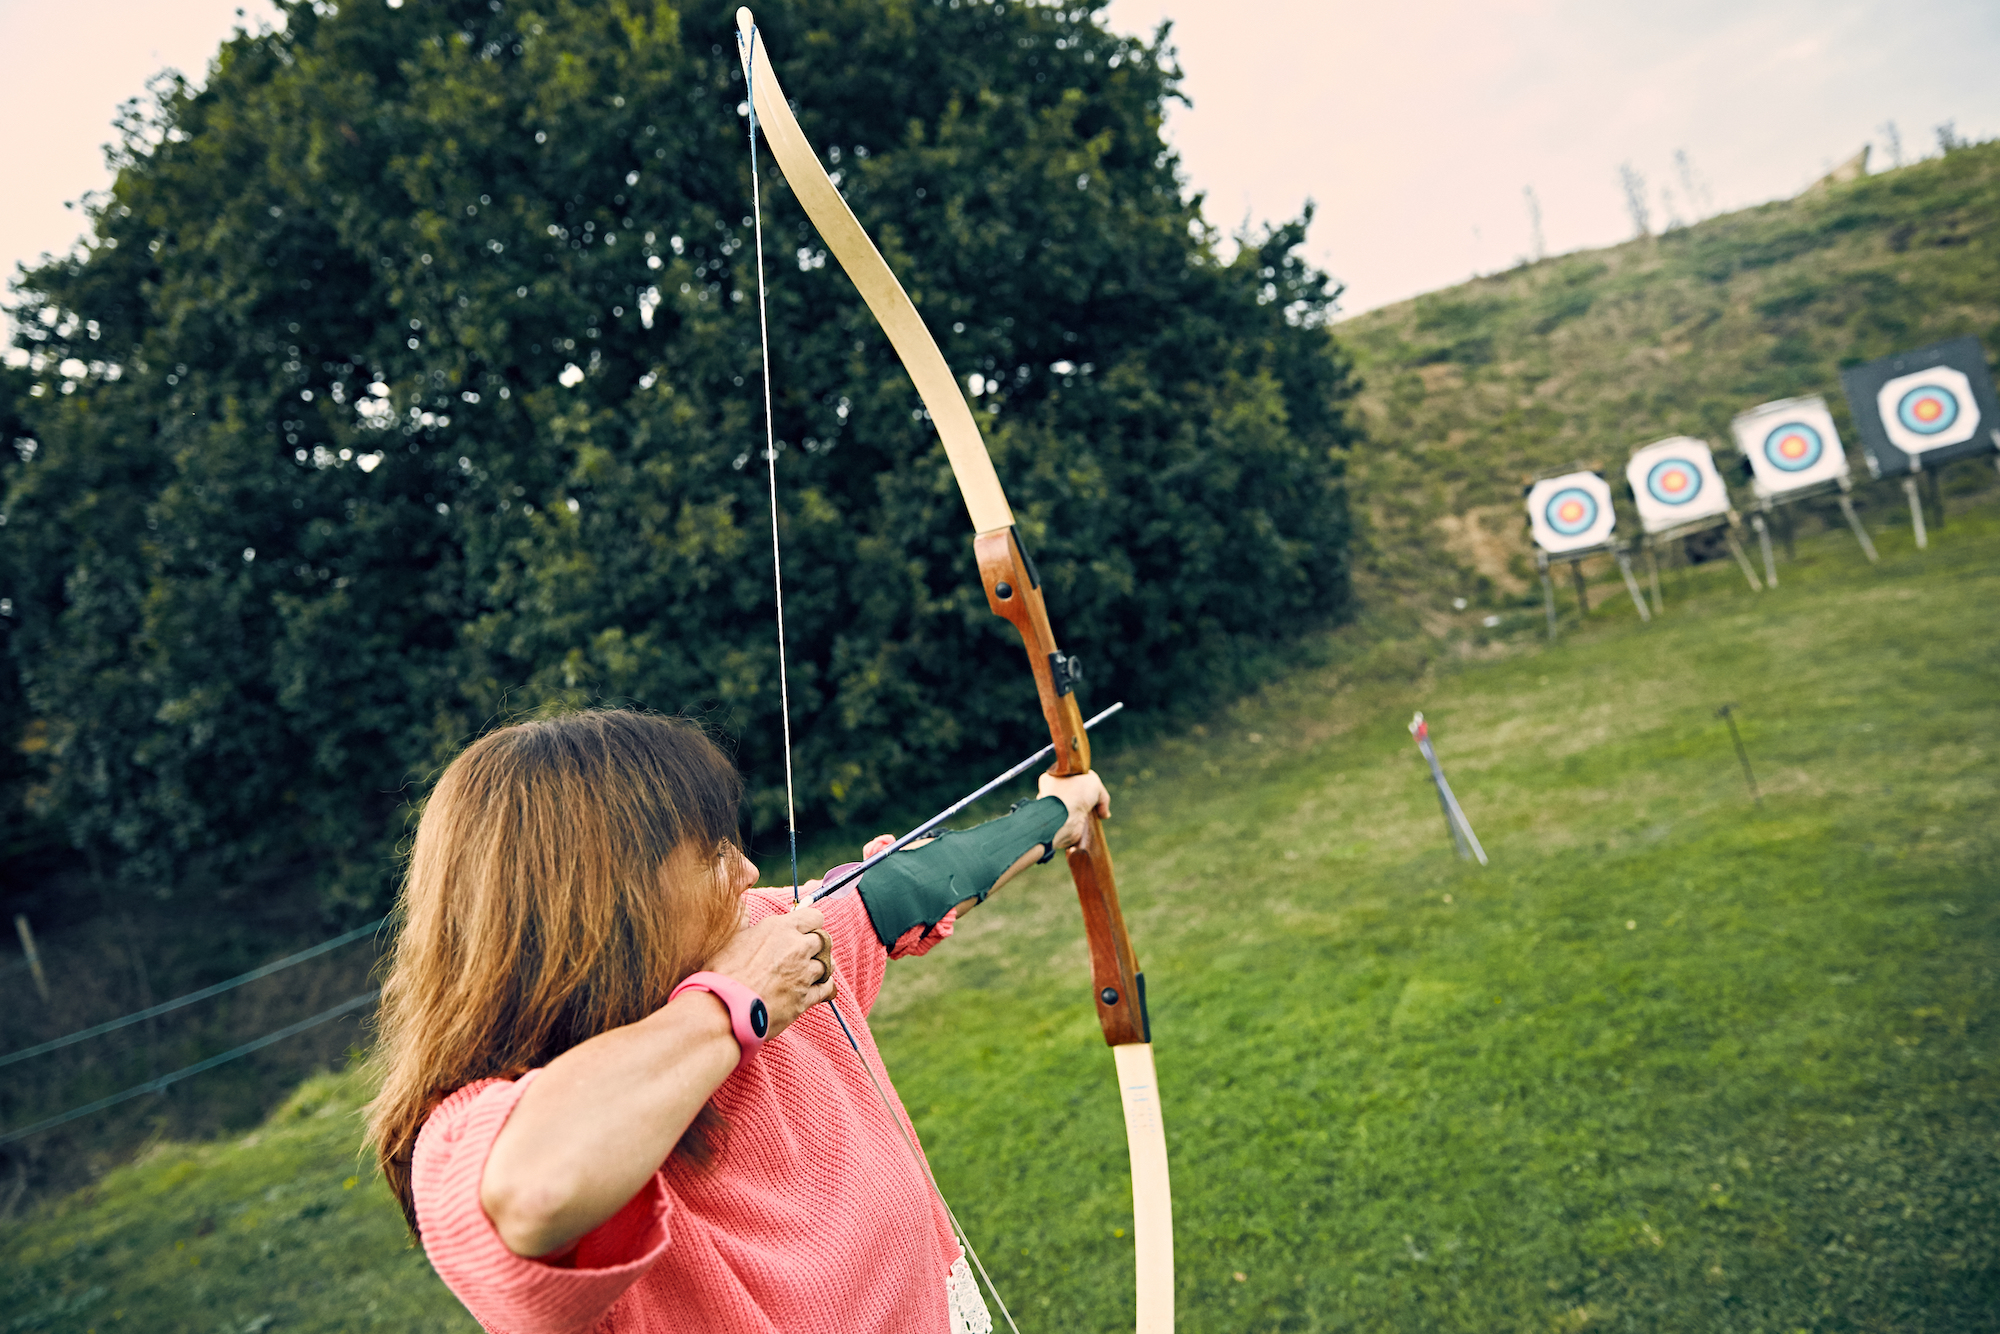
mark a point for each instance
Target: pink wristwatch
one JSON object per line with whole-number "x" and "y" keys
{"x": 747, "y": 1016}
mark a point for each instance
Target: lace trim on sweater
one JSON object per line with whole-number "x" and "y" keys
{"x": 968, "y": 1308}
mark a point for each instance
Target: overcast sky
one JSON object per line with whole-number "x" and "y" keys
{"x": 1415, "y": 126}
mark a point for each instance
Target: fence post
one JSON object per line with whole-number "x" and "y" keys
{"x": 34, "y": 955}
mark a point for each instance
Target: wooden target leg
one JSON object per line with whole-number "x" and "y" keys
{"x": 1764, "y": 541}
{"x": 1916, "y": 512}
{"x": 1742, "y": 559}
{"x": 1582, "y": 589}
{"x": 1653, "y": 574}
{"x": 1548, "y": 592}
{"x": 1632, "y": 587}
{"x": 1860, "y": 533}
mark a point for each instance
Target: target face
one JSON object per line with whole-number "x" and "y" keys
{"x": 1929, "y": 410}
{"x": 1791, "y": 445}
{"x": 1572, "y": 510}
{"x": 1571, "y": 513}
{"x": 1674, "y": 483}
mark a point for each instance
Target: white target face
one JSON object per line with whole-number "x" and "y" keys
{"x": 1791, "y": 445}
{"x": 1928, "y": 410}
{"x": 1571, "y": 512}
{"x": 1674, "y": 482}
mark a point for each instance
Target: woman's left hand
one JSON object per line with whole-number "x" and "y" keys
{"x": 1085, "y": 795}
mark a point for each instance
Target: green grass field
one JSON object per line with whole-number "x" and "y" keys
{"x": 1672, "y": 1062}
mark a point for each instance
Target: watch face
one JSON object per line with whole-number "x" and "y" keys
{"x": 760, "y": 1018}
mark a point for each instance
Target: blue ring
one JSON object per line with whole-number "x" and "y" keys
{"x": 1815, "y": 447}
{"x": 1905, "y": 409}
{"x": 1660, "y": 468}
{"x": 1589, "y": 511}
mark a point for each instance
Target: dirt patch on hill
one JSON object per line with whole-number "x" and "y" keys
{"x": 1492, "y": 540}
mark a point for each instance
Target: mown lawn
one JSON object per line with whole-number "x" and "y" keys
{"x": 1672, "y": 1061}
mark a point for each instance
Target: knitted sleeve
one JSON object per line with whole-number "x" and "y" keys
{"x": 501, "y": 1289}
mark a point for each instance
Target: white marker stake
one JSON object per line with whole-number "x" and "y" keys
{"x": 1454, "y": 815}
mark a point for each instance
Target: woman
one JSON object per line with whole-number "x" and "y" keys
{"x": 612, "y": 1098}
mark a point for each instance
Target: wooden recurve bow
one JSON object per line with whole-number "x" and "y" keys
{"x": 1014, "y": 592}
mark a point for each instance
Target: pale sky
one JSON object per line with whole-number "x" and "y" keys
{"x": 1415, "y": 126}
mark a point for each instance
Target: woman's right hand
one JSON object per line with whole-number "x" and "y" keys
{"x": 780, "y": 958}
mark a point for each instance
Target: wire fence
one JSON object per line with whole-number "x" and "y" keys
{"x": 161, "y": 1082}
{"x": 155, "y": 1085}
{"x": 139, "y": 1016}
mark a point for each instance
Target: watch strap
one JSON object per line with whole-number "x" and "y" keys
{"x": 749, "y": 1020}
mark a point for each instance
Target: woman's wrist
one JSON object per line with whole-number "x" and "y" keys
{"x": 748, "y": 1019}
{"x": 698, "y": 1016}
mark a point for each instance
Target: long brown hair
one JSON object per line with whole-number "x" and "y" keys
{"x": 562, "y": 881}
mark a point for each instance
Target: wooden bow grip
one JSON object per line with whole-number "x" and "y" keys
{"x": 1013, "y": 591}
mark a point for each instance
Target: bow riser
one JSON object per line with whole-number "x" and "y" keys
{"x": 1013, "y": 591}
{"x": 1114, "y": 970}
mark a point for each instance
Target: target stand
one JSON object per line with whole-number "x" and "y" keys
{"x": 1919, "y": 410}
{"x": 1794, "y": 454}
{"x": 1571, "y": 518}
{"x": 1678, "y": 493}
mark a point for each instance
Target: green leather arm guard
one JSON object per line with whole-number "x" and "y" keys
{"x": 918, "y": 886}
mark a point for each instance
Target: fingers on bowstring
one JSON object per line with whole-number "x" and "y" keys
{"x": 825, "y": 958}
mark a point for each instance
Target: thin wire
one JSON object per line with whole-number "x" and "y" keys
{"x": 777, "y": 575}
{"x": 112, "y": 1025}
{"x": 771, "y": 454}
{"x": 155, "y": 1085}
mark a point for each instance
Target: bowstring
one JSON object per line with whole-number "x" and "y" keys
{"x": 784, "y": 690}
{"x": 771, "y": 453}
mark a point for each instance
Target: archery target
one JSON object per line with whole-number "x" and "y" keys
{"x": 1928, "y": 410}
{"x": 1924, "y": 408}
{"x": 1791, "y": 445}
{"x": 1571, "y": 513}
{"x": 1674, "y": 482}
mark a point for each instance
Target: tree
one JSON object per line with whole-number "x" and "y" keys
{"x": 409, "y": 382}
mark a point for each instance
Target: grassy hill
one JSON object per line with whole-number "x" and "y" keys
{"x": 1587, "y": 356}
{"x": 1673, "y": 1061}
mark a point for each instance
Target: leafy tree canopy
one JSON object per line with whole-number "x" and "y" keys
{"x": 410, "y": 380}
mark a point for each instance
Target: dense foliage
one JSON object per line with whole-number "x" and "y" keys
{"x": 410, "y": 380}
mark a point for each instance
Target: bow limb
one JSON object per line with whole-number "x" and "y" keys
{"x": 1013, "y": 591}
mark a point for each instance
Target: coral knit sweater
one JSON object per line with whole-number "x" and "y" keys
{"x": 815, "y": 1216}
